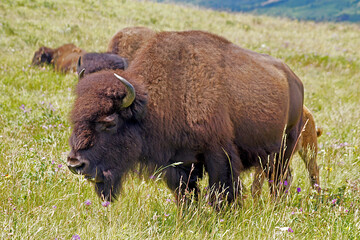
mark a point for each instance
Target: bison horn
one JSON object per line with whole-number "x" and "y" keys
{"x": 81, "y": 73}
{"x": 130, "y": 96}
{"x": 79, "y": 62}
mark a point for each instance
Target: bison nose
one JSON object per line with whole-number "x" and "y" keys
{"x": 77, "y": 165}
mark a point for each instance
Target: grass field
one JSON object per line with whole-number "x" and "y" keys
{"x": 41, "y": 199}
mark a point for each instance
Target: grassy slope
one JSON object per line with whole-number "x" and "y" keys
{"x": 40, "y": 198}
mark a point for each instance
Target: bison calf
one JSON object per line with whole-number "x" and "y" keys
{"x": 63, "y": 58}
{"x": 191, "y": 97}
{"x": 307, "y": 147}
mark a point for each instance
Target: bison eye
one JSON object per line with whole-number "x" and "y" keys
{"x": 108, "y": 123}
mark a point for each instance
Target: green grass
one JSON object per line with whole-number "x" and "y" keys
{"x": 41, "y": 199}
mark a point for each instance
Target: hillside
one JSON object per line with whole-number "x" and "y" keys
{"x": 316, "y": 10}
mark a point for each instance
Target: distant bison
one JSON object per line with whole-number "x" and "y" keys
{"x": 307, "y": 147}
{"x": 190, "y": 97}
{"x": 128, "y": 41}
{"x": 94, "y": 62}
{"x": 63, "y": 58}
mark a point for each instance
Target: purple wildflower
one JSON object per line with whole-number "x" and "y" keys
{"x": 152, "y": 177}
{"x": 290, "y": 230}
{"x": 105, "y": 204}
{"x": 87, "y": 202}
{"x": 54, "y": 206}
{"x": 334, "y": 201}
{"x": 168, "y": 200}
{"x": 221, "y": 220}
{"x": 60, "y": 165}
{"x": 285, "y": 183}
{"x": 298, "y": 190}
{"x": 53, "y": 162}
{"x": 166, "y": 215}
{"x": 75, "y": 237}
{"x": 22, "y": 107}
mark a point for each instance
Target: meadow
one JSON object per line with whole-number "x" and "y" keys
{"x": 41, "y": 199}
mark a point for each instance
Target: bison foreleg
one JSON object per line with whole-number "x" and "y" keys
{"x": 223, "y": 167}
{"x": 182, "y": 180}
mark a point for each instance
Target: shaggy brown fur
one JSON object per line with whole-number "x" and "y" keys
{"x": 200, "y": 100}
{"x": 307, "y": 148}
{"x": 95, "y": 62}
{"x": 128, "y": 41}
{"x": 63, "y": 58}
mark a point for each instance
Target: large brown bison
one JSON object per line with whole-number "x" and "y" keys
{"x": 189, "y": 97}
{"x": 94, "y": 62}
{"x": 306, "y": 146}
{"x": 64, "y": 58}
{"x": 128, "y": 41}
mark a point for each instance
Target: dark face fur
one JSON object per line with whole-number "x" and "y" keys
{"x": 106, "y": 139}
{"x": 43, "y": 55}
{"x": 113, "y": 149}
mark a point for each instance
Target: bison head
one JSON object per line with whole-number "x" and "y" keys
{"x": 95, "y": 62}
{"x": 106, "y": 140}
{"x": 43, "y": 55}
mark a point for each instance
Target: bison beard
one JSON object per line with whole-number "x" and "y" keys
{"x": 190, "y": 97}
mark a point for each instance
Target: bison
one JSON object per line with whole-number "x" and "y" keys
{"x": 94, "y": 62}
{"x": 192, "y": 98}
{"x": 307, "y": 147}
{"x": 128, "y": 41}
{"x": 63, "y": 58}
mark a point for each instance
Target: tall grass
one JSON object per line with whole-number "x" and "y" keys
{"x": 41, "y": 199}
